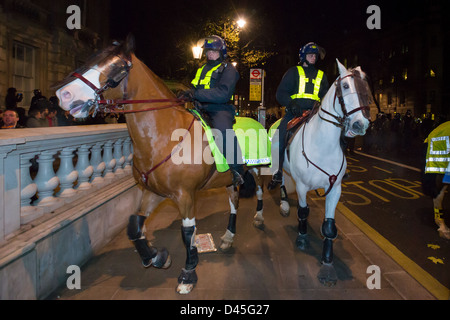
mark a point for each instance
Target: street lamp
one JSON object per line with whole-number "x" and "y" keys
{"x": 241, "y": 23}
{"x": 197, "y": 52}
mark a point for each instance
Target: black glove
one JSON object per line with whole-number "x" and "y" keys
{"x": 295, "y": 108}
{"x": 187, "y": 95}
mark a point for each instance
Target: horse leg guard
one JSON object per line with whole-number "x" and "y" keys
{"x": 327, "y": 274}
{"x": 188, "y": 236}
{"x": 329, "y": 232}
{"x": 188, "y": 277}
{"x": 302, "y": 241}
{"x": 149, "y": 254}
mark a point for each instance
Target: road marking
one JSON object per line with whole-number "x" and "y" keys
{"x": 389, "y": 161}
{"x": 381, "y": 169}
{"x": 423, "y": 277}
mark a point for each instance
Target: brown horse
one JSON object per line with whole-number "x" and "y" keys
{"x": 152, "y": 114}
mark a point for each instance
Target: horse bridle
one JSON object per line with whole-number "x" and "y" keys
{"x": 108, "y": 105}
{"x": 338, "y": 96}
{"x": 340, "y": 124}
{"x": 101, "y": 104}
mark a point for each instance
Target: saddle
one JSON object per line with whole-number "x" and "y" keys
{"x": 295, "y": 124}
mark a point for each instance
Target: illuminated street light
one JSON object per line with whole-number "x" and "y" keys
{"x": 241, "y": 23}
{"x": 197, "y": 52}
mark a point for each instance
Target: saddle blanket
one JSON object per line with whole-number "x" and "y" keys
{"x": 252, "y": 138}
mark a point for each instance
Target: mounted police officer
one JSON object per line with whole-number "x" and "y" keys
{"x": 214, "y": 85}
{"x": 300, "y": 89}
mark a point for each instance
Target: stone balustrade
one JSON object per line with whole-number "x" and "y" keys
{"x": 42, "y": 169}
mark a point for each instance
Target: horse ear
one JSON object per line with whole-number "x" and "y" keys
{"x": 130, "y": 44}
{"x": 342, "y": 69}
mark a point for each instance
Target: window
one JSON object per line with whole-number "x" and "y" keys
{"x": 24, "y": 70}
{"x": 432, "y": 74}
{"x": 405, "y": 74}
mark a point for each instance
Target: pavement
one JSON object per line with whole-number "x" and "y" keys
{"x": 261, "y": 265}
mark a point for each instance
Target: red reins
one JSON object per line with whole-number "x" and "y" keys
{"x": 120, "y": 102}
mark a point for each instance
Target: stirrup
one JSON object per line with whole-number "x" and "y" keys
{"x": 237, "y": 178}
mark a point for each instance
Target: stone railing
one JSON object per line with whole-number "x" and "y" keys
{"x": 43, "y": 169}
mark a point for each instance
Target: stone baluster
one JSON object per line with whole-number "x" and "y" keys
{"x": 28, "y": 190}
{"x": 66, "y": 173}
{"x": 109, "y": 160}
{"x": 84, "y": 168}
{"x": 46, "y": 179}
{"x": 28, "y": 187}
{"x": 97, "y": 163}
{"x": 119, "y": 157}
{"x": 128, "y": 155}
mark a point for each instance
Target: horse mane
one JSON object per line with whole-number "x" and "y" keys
{"x": 157, "y": 83}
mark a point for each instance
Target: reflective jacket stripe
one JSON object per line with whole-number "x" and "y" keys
{"x": 206, "y": 82}
{"x": 302, "y": 85}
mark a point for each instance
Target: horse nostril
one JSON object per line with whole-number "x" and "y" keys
{"x": 66, "y": 96}
{"x": 357, "y": 126}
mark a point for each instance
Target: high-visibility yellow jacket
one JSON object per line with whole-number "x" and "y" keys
{"x": 438, "y": 152}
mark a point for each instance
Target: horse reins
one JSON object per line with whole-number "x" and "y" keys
{"x": 340, "y": 124}
{"x": 101, "y": 101}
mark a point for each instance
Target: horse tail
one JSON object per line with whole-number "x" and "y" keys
{"x": 248, "y": 188}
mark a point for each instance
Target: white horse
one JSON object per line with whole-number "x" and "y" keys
{"x": 316, "y": 160}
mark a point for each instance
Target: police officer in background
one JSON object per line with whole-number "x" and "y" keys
{"x": 300, "y": 89}
{"x": 214, "y": 86}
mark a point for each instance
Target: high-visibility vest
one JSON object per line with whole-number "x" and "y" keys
{"x": 302, "y": 85}
{"x": 438, "y": 153}
{"x": 206, "y": 82}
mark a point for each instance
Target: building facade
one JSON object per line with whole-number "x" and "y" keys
{"x": 37, "y": 48}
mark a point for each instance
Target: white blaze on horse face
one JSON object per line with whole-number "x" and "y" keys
{"x": 357, "y": 124}
{"x": 77, "y": 92}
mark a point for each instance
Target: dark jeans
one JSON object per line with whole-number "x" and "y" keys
{"x": 223, "y": 120}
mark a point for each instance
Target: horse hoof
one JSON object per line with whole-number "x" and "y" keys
{"x": 227, "y": 241}
{"x": 186, "y": 281}
{"x": 302, "y": 242}
{"x": 445, "y": 233}
{"x": 327, "y": 275}
{"x": 162, "y": 259}
{"x": 284, "y": 208}
{"x": 258, "y": 222}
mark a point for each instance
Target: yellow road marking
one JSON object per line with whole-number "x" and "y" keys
{"x": 378, "y": 168}
{"x": 423, "y": 277}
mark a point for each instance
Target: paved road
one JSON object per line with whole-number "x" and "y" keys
{"x": 262, "y": 265}
{"x": 387, "y": 196}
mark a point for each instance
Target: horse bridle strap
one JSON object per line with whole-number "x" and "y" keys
{"x": 331, "y": 178}
{"x": 144, "y": 175}
{"x": 99, "y": 100}
{"x": 338, "y": 95}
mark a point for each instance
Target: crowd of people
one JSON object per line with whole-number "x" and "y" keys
{"x": 43, "y": 112}
{"x": 399, "y": 133}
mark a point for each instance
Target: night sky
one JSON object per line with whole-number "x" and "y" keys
{"x": 159, "y": 26}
